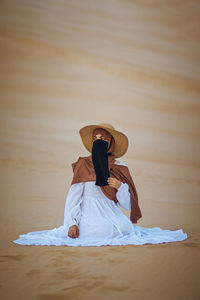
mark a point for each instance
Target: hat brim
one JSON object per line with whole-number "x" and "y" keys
{"x": 121, "y": 140}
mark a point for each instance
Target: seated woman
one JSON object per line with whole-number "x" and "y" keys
{"x": 89, "y": 208}
{"x": 101, "y": 185}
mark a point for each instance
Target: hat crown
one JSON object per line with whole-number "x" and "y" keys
{"x": 107, "y": 125}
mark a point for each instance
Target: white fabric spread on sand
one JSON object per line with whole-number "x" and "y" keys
{"x": 100, "y": 222}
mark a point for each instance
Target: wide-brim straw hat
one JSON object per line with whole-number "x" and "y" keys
{"x": 121, "y": 140}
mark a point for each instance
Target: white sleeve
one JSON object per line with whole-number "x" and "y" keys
{"x": 72, "y": 212}
{"x": 123, "y": 196}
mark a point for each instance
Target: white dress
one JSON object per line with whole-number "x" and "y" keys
{"x": 100, "y": 222}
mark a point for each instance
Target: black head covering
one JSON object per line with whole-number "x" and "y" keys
{"x": 100, "y": 161}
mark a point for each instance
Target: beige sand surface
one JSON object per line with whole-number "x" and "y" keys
{"x": 66, "y": 64}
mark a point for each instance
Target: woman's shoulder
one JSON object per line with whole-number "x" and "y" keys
{"x": 118, "y": 162}
{"x": 80, "y": 160}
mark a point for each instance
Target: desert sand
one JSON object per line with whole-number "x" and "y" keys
{"x": 67, "y": 64}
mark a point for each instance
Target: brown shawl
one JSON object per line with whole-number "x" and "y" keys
{"x": 84, "y": 171}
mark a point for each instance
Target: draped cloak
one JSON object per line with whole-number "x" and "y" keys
{"x": 83, "y": 171}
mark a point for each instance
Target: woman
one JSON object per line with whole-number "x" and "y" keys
{"x": 101, "y": 185}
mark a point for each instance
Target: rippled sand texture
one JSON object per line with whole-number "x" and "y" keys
{"x": 66, "y": 64}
